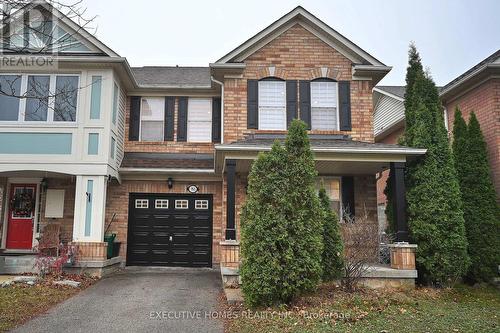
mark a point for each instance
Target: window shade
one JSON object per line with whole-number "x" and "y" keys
{"x": 199, "y": 127}
{"x": 272, "y": 105}
{"x": 324, "y": 106}
{"x": 152, "y": 118}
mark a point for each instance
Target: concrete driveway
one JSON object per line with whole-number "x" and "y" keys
{"x": 139, "y": 300}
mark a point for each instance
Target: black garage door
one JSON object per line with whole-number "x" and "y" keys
{"x": 170, "y": 230}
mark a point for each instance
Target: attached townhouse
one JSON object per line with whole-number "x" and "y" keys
{"x": 478, "y": 90}
{"x": 160, "y": 156}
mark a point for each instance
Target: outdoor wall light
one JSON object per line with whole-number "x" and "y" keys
{"x": 170, "y": 182}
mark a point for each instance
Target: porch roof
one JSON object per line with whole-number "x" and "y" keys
{"x": 334, "y": 154}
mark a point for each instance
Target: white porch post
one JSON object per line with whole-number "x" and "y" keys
{"x": 90, "y": 202}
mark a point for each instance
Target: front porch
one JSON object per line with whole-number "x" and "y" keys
{"x": 39, "y": 208}
{"x": 348, "y": 170}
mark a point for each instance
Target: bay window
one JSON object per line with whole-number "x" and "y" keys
{"x": 199, "y": 123}
{"x": 48, "y": 98}
{"x": 272, "y": 105}
{"x": 66, "y": 98}
{"x": 37, "y": 101}
{"x": 152, "y": 118}
{"x": 10, "y": 86}
{"x": 324, "y": 105}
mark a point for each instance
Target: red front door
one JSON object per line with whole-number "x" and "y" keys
{"x": 21, "y": 203}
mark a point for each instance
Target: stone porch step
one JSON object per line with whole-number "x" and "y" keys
{"x": 18, "y": 264}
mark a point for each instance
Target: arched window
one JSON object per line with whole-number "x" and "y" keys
{"x": 272, "y": 104}
{"x": 324, "y": 104}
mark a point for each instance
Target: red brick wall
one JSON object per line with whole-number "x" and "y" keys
{"x": 484, "y": 100}
{"x": 118, "y": 200}
{"x": 392, "y": 139}
{"x": 166, "y": 146}
{"x": 299, "y": 55}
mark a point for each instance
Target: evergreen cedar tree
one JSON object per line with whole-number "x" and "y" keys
{"x": 333, "y": 248}
{"x": 281, "y": 223}
{"x": 481, "y": 211}
{"x": 434, "y": 203}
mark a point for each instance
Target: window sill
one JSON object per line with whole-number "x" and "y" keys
{"x": 38, "y": 125}
{"x": 154, "y": 143}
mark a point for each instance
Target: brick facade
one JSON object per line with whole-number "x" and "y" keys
{"x": 118, "y": 201}
{"x": 484, "y": 100}
{"x": 66, "y": 222}
{"x": 164, "y": 146}
{"x": 297, "y": 55}
{"x": 393, "y": 139}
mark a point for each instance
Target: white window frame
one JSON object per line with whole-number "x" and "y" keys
{"x": 337, "y": 107}
{"x": 139, "y": 203}
{"x": 179, "y": 204}
{"x": 50, "y": 111}
{"x": 159, "y": 203}
{"x": 261, "y": 108}
{"x": 209, "y": 139}
{"x": 201, "y": 204}
{"x": 163, "y": 119}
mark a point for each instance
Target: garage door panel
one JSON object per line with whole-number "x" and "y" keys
{"x": 170, "y": 230}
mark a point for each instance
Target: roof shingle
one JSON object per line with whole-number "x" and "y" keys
{"x": 157, "y": 76}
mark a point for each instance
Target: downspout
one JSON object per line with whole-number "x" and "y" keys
{"x": 221, "y": 108}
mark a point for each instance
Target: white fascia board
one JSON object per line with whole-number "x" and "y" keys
{"x": 173, "y": 86}
{"x": 62, "y": 168}
{"x": 398, "y": 151}
{"x": 232, "y": 65}
{"x": 470, "y": 76}
{"x": 370, "y": 69}
{"x": 388, "y": 94}
{"x": 166, "y": 170}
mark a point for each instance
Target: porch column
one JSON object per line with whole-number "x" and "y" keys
{"x": 231, "y": 199}
{"x": 399, "y": 201}
{"x": 90, "y": 202}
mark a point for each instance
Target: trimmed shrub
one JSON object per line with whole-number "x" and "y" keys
{"x": 281, "y": 223}
{"x": 333, "y": 248}
{"x": 481, "y": 211}
{"x": 435, "y": 215}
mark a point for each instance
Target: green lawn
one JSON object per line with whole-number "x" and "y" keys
{"x": 462, "y": 309}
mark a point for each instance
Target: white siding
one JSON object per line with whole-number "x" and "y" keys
{"x": 388, "y": 112}
{"x": 120, "y": 127}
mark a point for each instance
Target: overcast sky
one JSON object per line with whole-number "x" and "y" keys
{"x": 451, "y": 36}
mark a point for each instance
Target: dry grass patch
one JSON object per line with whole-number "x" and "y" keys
{"x": 21, "y": 302}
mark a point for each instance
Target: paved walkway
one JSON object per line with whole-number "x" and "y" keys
{"x": 139, "y": 300}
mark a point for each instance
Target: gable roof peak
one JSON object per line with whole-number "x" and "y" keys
{"x": 320, "y": 29}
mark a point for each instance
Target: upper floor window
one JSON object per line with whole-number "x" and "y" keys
{"x": 40, "y": 98}
{"x": 152, "y": 118}
{"x": 324, "y": 105}
{"x": 199, "y": 123}
{"x": 272, "y": 105}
